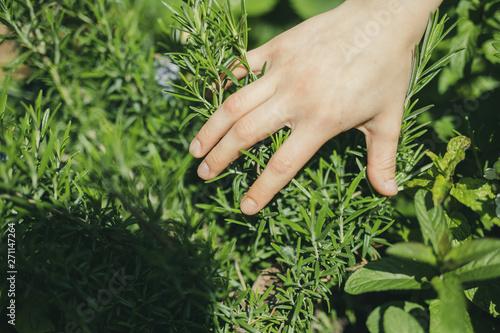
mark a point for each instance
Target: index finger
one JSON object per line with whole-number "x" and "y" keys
{"x": 300, "y": 146}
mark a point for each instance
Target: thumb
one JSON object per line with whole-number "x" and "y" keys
{"x": 382, "y": 144}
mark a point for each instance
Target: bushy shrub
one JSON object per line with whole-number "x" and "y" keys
{"x": 114, "y": 232}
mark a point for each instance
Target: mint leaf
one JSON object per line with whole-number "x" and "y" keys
{"x": 486, "y": 295}
{"x": 467, "y": 252}
{"x": 413, "y": 251}
{"x": 455, "y": 153}
{"x": 389, "y": 274}
{"x": 459, "y": 227}
{"x": 449, "y": 312}
{"x": 432, "y": 220}
{"x": 440, "y": 189}
{"x": 473, "y": 193}
{"x": 486, "y": 267}
{"x": 375, "y": 321}
{"x": 396, "y": 320}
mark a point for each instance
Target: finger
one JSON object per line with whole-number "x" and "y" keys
{"x": 235, "y": 107}
{"x": 382, "y": 144}
{"x": 282, "y": 167}
{"x": 250, "y": 129}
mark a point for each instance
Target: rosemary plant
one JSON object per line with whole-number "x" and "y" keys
{"x": 328, "y": 218}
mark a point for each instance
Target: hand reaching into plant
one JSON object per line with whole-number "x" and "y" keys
{"x": 347, "y": 68}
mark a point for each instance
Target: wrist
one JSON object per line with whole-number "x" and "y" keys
{"x": 408, "y": 18}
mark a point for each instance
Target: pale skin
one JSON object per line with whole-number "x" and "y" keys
{"x": 346, "y": 68}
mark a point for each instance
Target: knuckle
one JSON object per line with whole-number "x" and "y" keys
{"x": 281, "y": 164}
{"x": 233, "y": 104}
{"x": 243, "y": 130}
{"x": 205, "y": 134}
{"x": 214, "y": 159}
{"x": 385, "y": 164}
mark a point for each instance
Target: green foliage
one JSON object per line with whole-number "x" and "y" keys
{"x": 115, "y": 233}
{"x": 496, "y": 45}
{"x": 477, "y": 194}
{"x": 435, "y": 263}
{"x": 474, "y": 37}
{"x": 89, "y": 179}
{"x": 328, "y": 213}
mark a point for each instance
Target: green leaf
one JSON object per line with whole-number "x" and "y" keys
{"x": 486, "y": 295}
{"x": 253, "y": 157}
{"x": 486, "y": 267}
{"x": 478, "y": 195}
{"x": 413, "y": 251}
{"x": 467, "y": 252}
{"x": 459, "y": 227}
{"x": 432, "y": 221}
{"x": 449, "y": 313}
{"x": 455, "y": 153}
{"x": 473, "y": 192}
{"x": 466, "y": 40}
{"x": 396, "y": 320}
{"x": 229, "y": 74}
{"x": 352, "y": 188}
{"x": 389, "y": 274}
{"x": 375, "y": 321}
{"x": 47, "y": 155}
{"x": 419, "y": 182}
{"x": 440, "y": 189}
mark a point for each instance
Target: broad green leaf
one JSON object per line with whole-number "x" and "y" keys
{"x": 455, "y": 153}
{"x": 449, "y": 312}
{"x": 413, "y": 251}
{"x": 459, "y": 227}
{"x": 478, "y": 195}
{"x": 389, "y": 274}
{"x": 374, "y": 323}
{"x": 432, "y": 221}
{"x": 486, "y": 295}
{"x": 419, "y": 182}
{"x": 440, "y": 189}
{"x": 445, "y": 127}
{"x": 486, "y": 267}
{"x": 466, "y": 40}
{"x": 473, "y": 193}
{"x": 396, "y": 320}
{"x": 467, "y": 252}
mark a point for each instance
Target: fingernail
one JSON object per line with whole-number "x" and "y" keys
{"x": 248, "y": 206}
{"x": 195, "y": 147}
{"x": 204, "y": 170}
{"x": 391, "y": 186}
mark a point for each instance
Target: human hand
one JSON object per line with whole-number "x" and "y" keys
{"x": 347, "y": 68}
